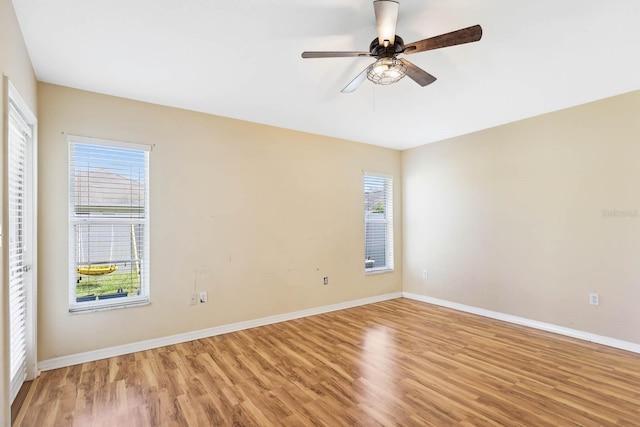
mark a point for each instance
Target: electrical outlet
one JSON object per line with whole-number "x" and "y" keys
{"x": 326, "y": 280}
{"x": 193, "y": 299}
{"x": 594, "y": 299}
{"x": 425, "y": 274}
{"x": 203, "y": 297}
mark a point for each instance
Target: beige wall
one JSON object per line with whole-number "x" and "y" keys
{"x": 16, "y": 65}
{"x": 268, "y": 211}
{"x": 511, "y": 219}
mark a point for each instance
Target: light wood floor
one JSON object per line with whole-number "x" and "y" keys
{"x": 398, "y": 362}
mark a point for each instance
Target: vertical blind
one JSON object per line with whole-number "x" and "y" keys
{"x": 109, "y": 222}
{"x": 19, "y": 135}
{"x": 378, "y": 220}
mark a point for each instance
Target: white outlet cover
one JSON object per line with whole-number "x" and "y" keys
{"x": 425, "y": 274}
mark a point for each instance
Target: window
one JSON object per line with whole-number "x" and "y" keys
{"x": 108, "y": 223}
{"x": 378, "y": 223}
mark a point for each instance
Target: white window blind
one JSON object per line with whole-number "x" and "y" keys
{"x": 19, "y": 134}
{"x": 109, "y": 223}
{"x": 378, "y": 222}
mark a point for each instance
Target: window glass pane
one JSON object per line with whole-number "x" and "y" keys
{"x": 109, "y": 260}
{"x": 374, "y": 197}
{"x": 108, "y": 181}
{"x": 376, "y": 244}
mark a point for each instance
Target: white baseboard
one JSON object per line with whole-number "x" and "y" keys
{"x": 90, "y": 356}
{"x": 586, "y": 336}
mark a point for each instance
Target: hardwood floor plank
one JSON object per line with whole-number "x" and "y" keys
{"x": 397, "y": 362}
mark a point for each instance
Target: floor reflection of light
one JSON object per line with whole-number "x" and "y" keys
{"x": 378, "y": 367}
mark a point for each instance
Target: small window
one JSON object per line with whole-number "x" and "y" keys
{"x": 378, "y": 223}
{"x": 108, "y": 223}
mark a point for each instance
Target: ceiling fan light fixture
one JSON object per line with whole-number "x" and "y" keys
{"x": 386, "y": 71}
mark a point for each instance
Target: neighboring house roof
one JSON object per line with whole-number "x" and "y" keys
{"x": 100, "y": 187}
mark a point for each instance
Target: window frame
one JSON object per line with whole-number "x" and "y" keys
{"x": 73, "y": 220}
{"x": 389, "y": 238}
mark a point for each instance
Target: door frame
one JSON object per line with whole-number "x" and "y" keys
{"x": 13, "y": 98}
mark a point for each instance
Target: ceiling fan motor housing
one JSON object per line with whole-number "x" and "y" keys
{"x": 379, "y": 51}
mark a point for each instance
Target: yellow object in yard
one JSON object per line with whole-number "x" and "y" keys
{"x": 96, "y": 269}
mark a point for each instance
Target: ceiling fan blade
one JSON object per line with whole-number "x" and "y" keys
{"x": 330, "y": 54}
{"x": 417, "y": 74}
{"x": 386, "y": 19}
{"x": 465, "y": 35}
{"x": 355, "y": 83}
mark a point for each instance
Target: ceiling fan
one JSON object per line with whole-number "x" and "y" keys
{"x": 387, "y": 46}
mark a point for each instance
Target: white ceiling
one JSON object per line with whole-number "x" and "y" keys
{"x": 241, "y": 59}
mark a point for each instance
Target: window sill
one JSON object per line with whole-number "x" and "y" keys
{"x": 109, "y": 305}
{"x": 373, "y": 271}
